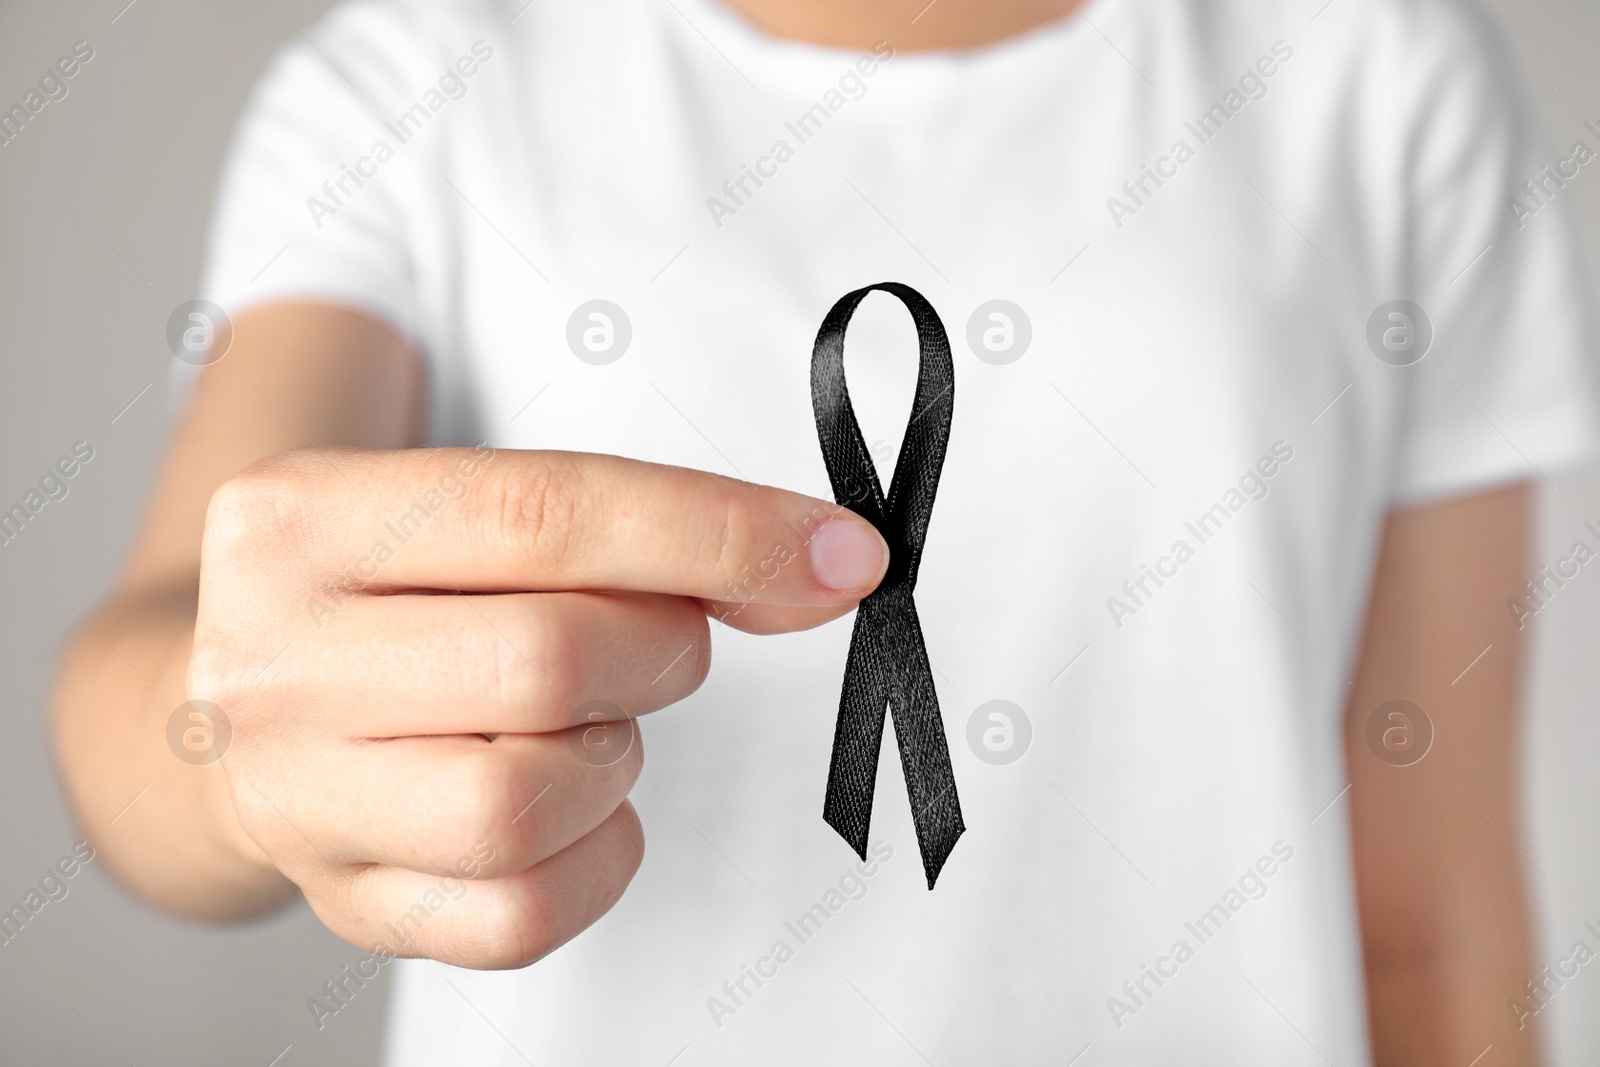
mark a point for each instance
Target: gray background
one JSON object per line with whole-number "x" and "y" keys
{"x": 89, "y": 272}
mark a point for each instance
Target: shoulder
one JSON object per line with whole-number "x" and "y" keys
{"x": 1349, "y": 46}
{"x": 1401, "y": 99}
{"x": 1405, "y": 59}
{"x": 377, "y": 50}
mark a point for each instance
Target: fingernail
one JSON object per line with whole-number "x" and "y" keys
{"x": 848, "y": 555}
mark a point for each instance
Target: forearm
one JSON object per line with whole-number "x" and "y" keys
{"x": 1443, "y": 964}
{"x": 1440, "y": 869}
{"x": 164, "y": 826}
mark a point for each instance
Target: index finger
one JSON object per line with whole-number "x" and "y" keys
{"x": 498, "y": 520}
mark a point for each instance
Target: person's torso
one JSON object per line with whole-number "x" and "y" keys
{"x": 1151, "y": 539}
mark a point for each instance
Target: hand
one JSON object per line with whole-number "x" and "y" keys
{"x": 397, "y": 746}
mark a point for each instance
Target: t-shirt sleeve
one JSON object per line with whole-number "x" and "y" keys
{"x": 1508, "y": 388}
{"x": 307, "y": 206}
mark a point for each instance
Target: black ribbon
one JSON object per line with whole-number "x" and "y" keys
{"x": 888, "y": 662}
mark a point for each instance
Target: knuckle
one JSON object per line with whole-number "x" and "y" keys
{"x": 634, "y": 759}
{"x": 261, "y": 818}
{"x": 224, "y": 671}
{"x": 265, "y": 508}
{"x": 536, "y": 663}
{"x": 530, "y": 509}
{"x": 732, "y": 545}
{"x": 486, "y": 811}
{"x": 700, "y": 669}
{"x": 520, "y": 929}
{"x": 254, "y": 519}
{"x": 632, "y": 832}
{"x": 535, "y": 916}
{"x": 341, "y": 902}
{"x": 210, "y": 675}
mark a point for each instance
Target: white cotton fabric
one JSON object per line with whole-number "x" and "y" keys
{"x": 1184, "y": 341}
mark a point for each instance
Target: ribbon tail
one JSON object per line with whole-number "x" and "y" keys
{"x": 924, "y": 752}
{"x": 858, "y": 734}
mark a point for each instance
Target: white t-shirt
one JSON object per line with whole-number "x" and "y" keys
{"x": 1197, "y": 212}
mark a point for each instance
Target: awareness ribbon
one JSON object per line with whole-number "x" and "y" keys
{"x": 888, "y": 660}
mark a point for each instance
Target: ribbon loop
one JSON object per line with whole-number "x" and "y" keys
{"x": 888, "y": 659}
